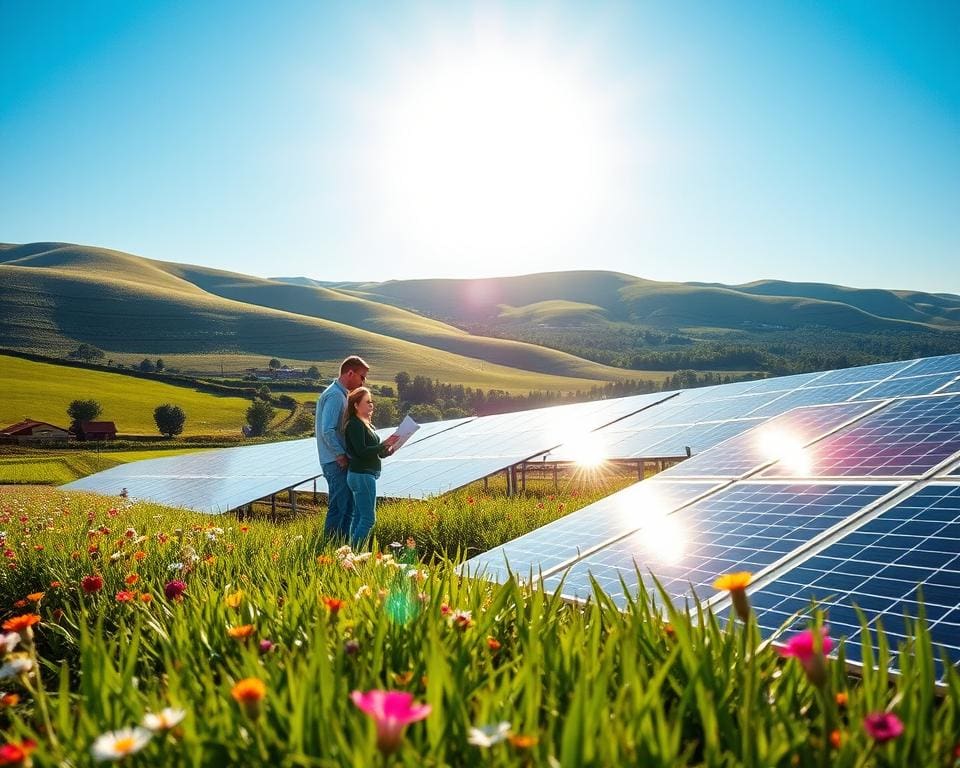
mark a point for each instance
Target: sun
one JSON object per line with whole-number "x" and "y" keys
{"x": 493, "y": 152}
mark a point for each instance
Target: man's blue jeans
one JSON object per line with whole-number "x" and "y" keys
{"x": 364, "y": 488}
{"x": 339, "y": 502}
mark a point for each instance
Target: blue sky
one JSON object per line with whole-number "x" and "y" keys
{"x": 722, "y": 142}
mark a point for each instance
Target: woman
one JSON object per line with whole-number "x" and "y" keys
{"x": 364, "y": 450}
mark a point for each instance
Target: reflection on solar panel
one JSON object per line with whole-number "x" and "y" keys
{"x": 835, "y": 393}
{"x": 746, "y": 527}
{"x": 780, "y": 437}
{"x": 566, "y": 539}
{"x": 902, "y": 387}
{"x": 945, "y": 364}
{"x": 782, "y": 383}
{"x": 860, "y": 374}
{"x": 877, "y": 567}
{"x": 954, "y": 387}
{"x": 907, "y": 438}
{"x": 211, "y": 481}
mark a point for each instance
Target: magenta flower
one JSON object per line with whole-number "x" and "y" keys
{"x": 803, "y": 647}
{"x": 174, "y": 589}
{"x": 883, "y": 726}
{"x": 392, "y": 711}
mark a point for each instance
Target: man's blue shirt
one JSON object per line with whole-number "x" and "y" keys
{"x": 330, "y": 409}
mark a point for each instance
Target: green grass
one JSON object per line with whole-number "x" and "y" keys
{"x": 56, "y": 468}
{"x": 43, "y": 391}
{"x": 580, "y": 685}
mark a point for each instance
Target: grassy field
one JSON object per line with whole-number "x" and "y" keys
{"x": 261, "y": 646}
{"x": 43, "y": 391}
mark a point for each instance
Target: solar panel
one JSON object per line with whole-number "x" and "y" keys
{"x": 782, "y": 436}
{"x": 953, "y": 387}
{"x": 746, "y": 527}
{"x": 214, "y": 481}
{"x": 699, "y": 437}
{"x": 944, "y": 364}
{"x": 907, "y": 438}
{"x": 860, "y": 374}
{"x": 835, "y": 393}
{"x": 903, "y": 387}
{"x": 782, "y": 383}
{"x": 877, "y": 567}
{"x": 566, "y": 539}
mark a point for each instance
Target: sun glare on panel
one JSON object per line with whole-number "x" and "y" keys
{"x": 663, "y": 535}
{"x": 786, "y": 448}
{"x": 493, "y": 150}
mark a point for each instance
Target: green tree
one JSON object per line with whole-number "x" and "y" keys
{"x": 147, "y": 365}
{"x": 385, "y": 412}
{"x": 423, "y": 413}
{"x": 87, "y": 352}
{"x": 160, "y": 364}
{"x": 83, "y": 410}
{"x": 313, "y": 372}
{"x": 274, "y": 363}
{"x": 402, "y": 380}
{"x": 259, "y": 416}
{"x": 263, "y": 392}
{"x": 170, "y": 419}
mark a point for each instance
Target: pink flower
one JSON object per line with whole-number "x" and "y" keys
{"x": 174, "y": 589}
{"x": 883, "y": 726}
{"x": 392, "y": 711}
{"x": 803, "y": 647}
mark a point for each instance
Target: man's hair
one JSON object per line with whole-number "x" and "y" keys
{"x": 353, "y": 363}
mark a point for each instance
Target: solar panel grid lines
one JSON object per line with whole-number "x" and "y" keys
{"x": 554, "y": 546}
{"x": 951, "y": 387}
{"x": 926, "y": 365}
{"x": 863, "y": 374}
{"x": 832, "y": 393}
{"x": 912, "y": 437}
{"x": 902, "y": 387}
{"x": 744, "y": 526}
{"x": 785, "y": 435}
{"x": 906, "y": 547}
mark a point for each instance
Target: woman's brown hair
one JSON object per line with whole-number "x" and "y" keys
{"x": 353, "y": 399}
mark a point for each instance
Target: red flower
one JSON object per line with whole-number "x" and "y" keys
{"x": 125, "y": 596}
{"x": 174, "y": 589}
{"x": 91, "y": 584}
{"x": 17, "y": 753}
{"x": 883, "y": 726}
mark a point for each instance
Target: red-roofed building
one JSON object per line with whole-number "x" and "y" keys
{"x": 30, "y": 431}
{"x": 95, "y": 430}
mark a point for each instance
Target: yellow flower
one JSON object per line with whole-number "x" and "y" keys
{"x": 242, "y": 632}
{"x": 736, "y": 585}
{"x": 234, "y": 598}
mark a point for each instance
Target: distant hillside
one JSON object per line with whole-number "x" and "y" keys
{"x": 57, "y": 295}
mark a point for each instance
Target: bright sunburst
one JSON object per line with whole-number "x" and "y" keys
{"x": 493, "y": 151}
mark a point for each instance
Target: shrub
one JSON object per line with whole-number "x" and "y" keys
{"x": 170, "y": 419}
{"x": 84, "y": 410}
{"x": 259, "y": 416}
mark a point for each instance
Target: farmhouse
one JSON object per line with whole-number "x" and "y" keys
{"x": 30, "y": 431}
{"x": 95, "y": 430}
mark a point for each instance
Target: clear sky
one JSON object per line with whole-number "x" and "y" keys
{"x": 707, "y": 141}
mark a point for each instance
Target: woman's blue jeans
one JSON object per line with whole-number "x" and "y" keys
{"x": 364, "y": 489}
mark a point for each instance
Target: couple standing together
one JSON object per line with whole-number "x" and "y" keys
{"x": 350, "y": 453}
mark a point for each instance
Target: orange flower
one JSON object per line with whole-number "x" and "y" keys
{"x": 21, "y": 623}
{"x": 55, "y": 584}
{"x": 125, "y": 596}
{"x": 842, "y": 699}
{"x": 492, "y": 643}
{"x": 324, "y": 560}
{"x": 836, "y": 738}
{"x": 139, "y": 555}
{"x": 334, "y": 604}
{"x": 403, "y": 678}
{"x": 35, "y": 597}
{"x": 736, "y": 585}
{"x": 146, "y": 597}
{"x": 521, "y": 741}
{"x": 131, "y": 579}
{"x": 242, "y": 632}
{"x": 9, "y": 700}
{"x": 234, "y": 598}
{"x": 21, "y": 604}
{"x": 248, "y": 693}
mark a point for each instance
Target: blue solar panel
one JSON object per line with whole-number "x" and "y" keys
{"x": 878, "y": 567}
{"x": 782, "y": 383}
{"x": 835, "y": 393}
{"x": 860, "y": 374}
{"x": 779, "y": 437}
{"x": 907, "y": 438}
{"x": 566, "y": 539}
{"x": 944, "y": 364}
{"x": 700, "y": 437}
{"x": 903, "y": 387}
{"x": 954, "y": 387}
{"x": 744, "y": 527}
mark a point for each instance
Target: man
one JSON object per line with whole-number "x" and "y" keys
{"x": 331, "y": 448}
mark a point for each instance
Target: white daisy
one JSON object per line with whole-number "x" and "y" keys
{"x": 488, "y": 735}
{"x": 116, "y": 745}
{"x": 16, "y": 668}
{"x": 163, "y": 720}
{"x": 9, "y": 641}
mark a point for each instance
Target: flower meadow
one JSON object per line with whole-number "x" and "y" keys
{"x": 146, "y": 636}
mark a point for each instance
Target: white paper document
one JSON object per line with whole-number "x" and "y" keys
{"x": 407, "y": 427}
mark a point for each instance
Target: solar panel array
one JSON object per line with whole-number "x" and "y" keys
{"x": 842, "y": 486}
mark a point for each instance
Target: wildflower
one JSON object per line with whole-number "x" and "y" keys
{"x": 131, "y": 579}
{"x": 174, "y": 589}
{"x": 462, "y": 620}
{"x": 146, "y": 597}
{"x": 344, "y": 551}
{"x": 266, "y": 646}
{"x": 175, "y": 567}
{"x": 139, "y": 555}
{"x": 736, "y": 585}
{"x": 842, "y": 698}
{"x": 493, "y": 644}
{"x": 806, "y": 649}
{"x": 836, "y": 738}
{"x": 248, "y": 693}
{"x": 391, "y": 711}
{"x": 55, "y": 585}
{"x": 116, "y": 745}
{"x": 363, "y": 591}
{"x": 522, "y": 741}
{"x": 9, "y": 700}
{"x": 21, "y": 623}
{"x": 403, "y": 678}
{"x": 241, "y": 632}
{"x": 333, "y": 604}
{"x": 17, "y": 752}
{"x": 91, "y": 584}
{"x": 125, "y": 596}
{"x": 488, "y": 735}
{"x": 234, "y": 598}
{"x": 324, "y": 560}
{"x": 9, "y": 641}
{"x": 883, "y": 726}
{"x": 164, "y": 720}
{"x": 351, "y": 647}
{"x": 35, "y": 597}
